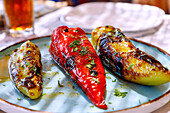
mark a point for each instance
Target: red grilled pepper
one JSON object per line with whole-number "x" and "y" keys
{"x": 71, "y": 50}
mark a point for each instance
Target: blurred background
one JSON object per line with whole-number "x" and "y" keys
{"x": 163, "y": 4}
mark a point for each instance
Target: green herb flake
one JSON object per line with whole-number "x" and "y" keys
{"x": 38, "y": 74}
{"x": 83, "y": 39}
{"x": 130, "y": 66}
{"x": 72, "y": 50}
{"x": 94, "y": 79}
{"x": 60, "y": 93}
{"x": 75, "y": 49}
{"x": 56, "y": 73}
{"x": 19, "y": 99}
{"x": 48, "y": 88}
{"x": 91, "y": 106}
{"x": 27, "y": 63}
{"x": 92, "y": 62}
{"x": 114, "y": 80}
{"x": 108, "y": 77}
{"x": 83, "y": 51}
{"x": 120, "y": 94}
{"x": 73, "y": 87}
{"x": 73, "y": 36}
{"x": 33, "y": 68}
{"x": 25, "y": 55}
{"x": 44, "y": 94}
{"x": 107, "y": 72}
{"x": 89, "y": 66}
{"x": 3, "y": 85}
{"x": 60, "y": 85}
{"x": 75, "y": 43}
{"x": 110, "y": 102}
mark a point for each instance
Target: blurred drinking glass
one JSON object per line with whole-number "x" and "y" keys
{"x": 19, "y": 17}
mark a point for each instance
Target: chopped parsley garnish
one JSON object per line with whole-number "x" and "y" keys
{"x": 73, "y": 87}
{"x": 92, "y": 62}
{"x": 27, "y": 63}
{"x": 48, "y": 88}
{"x": 94, "y": 79}
{"x": 25, "y": 55}
{"x": 75, "y": 49}
{"x": 60, "y": 85}
{"x": 107, "y": 72}
{"x": 75, "y": 43}
{"x": 120, "y": 94}
{"x": 108, "y": 77}
{"x": 60, "y": 93}
{"x": 91, "y": 65}
{"x": 110, "y": 102}
{"x": 19, "y": 99}
{"x": 4, "y": 85}
{"x": 38, "y": 74}
{"x": 73, "y": 36}
{"x": 114, "y": 80}
{"x": 83, "y": 38}
{"x": 83, "y": 51}
{"x": 33, "y": 68}
{"x": 130, "y": 66}
{"x": 91, "y": 106}
{"x": 44, "y": 94}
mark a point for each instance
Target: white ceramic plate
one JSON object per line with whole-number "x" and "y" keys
{"x": 131, "y": 18}
{"x": 70, "y": 98}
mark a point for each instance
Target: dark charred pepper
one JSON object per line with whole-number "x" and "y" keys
{"x": 25, "y": 70}
{"x": 71, "y": 50}
{"x": 121, "y": 57}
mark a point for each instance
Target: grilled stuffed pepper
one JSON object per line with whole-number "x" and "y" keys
{"x": 122, "y": 58}
{"x": 71, "y": 50}
{"x": 25, "y": 70}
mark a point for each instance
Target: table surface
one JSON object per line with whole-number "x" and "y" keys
{"x": 45, "y": 24}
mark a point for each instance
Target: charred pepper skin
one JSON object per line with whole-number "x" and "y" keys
{"x": 71, "y": 50}
{"x": 25, "y": 70}
{"x": 121, "y": 57}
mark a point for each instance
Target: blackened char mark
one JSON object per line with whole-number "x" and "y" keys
{"x": 143, "y": 56}
{"x": 70, "y": 63}
{"x": 27, "y": 82}
{"x": 109, "y": 57}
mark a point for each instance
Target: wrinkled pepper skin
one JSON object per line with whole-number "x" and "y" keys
{"x": 121, "y": 57}
{"x": 71, "y": 50}
{"x": 25, "y": 70}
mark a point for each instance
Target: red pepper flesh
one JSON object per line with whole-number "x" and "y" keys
{"x": 71, "y": 50}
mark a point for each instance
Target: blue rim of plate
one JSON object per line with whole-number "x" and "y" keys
{"x": 117, "y": 111}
